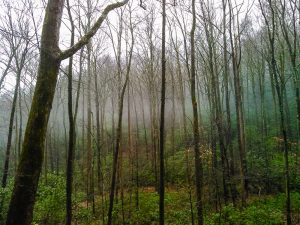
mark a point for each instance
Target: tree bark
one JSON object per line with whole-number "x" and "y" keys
{"x": 72, "y": 138}
{"x": 236, "y": 58}
{"x": 198, "y": 160}
{"x": 10, "y": 131}
{"x": 30, "y": 164}
{"x": 119, "y": 134}
{"x": 280, "y": 88}
{"x": 162, "y": 120}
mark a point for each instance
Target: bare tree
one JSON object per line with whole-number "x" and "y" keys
{"x": 20, "y": 47}
{"x": 29, "y": 168}
{"x": 269, "y": 15}
{"x": 196, "y": 132}
{"x": 119, "y": 125}
{"x": 162, "y": 119}
{"x": 235, "y": 41}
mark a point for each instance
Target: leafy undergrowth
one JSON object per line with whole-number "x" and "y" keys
{"x": 50, "y": 208}
{"x": 268, "y": 210}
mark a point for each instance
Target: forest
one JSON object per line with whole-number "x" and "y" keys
{"x": 150, "y": 112}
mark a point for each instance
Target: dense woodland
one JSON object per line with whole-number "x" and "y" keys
{"x": 150, "y": 112}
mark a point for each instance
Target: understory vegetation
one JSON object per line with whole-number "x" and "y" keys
{"x": 140, "y": 205}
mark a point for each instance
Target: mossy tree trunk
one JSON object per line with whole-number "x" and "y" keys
{"x": 30, "y": 164}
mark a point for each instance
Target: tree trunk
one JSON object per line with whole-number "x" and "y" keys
{"x": 198, "y": 160}
{"x": 119, "y": 134}
{"x": 10, "y": 130}
{"x": 279, "y": 84}
{"x": 72, "y": 138}
{"x": 30, "y": 164}
{"x": 236, "y": 57}
{"x": 162, "y": 120}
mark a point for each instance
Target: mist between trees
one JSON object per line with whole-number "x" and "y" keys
{"x": 150, "y": 112}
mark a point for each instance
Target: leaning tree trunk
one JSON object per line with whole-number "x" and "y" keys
{"x": 30, "y": 164}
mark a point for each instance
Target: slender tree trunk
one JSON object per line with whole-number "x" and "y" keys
{"x": 144, "y": 122}
{"x": 198, "y": 161}
{"x": 98, "y": 135}
{"x": 89, "y": 126}
{"x": 5, "y": 72}
{"x": 280, "y": 88}
{"x": 227, "y": 103}
{"x": 119, "y": 134}
{"x": 217, "y": 117}
{"x": 83, "y": 131}
{"x": 20, "y": 125}
{"x": 236, "y": 57}
{"x": 72, "y": 138}
{"x": 116, "y": 155}
{"x": 10, "y": 130}
{"x": 136, "y": 157}
{"x": 162, "y": 120}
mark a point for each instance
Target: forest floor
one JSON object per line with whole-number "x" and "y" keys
{"x": 260, "y": 210}
{"x": 50, "y": 207}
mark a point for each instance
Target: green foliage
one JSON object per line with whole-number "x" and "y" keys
{"x": 267, "y": 210}
{"x": 146, "y": 173}
{"x": 263, "y": 211}
{"x": 50, "y": 201}
{"x": 266, "y": 165}
{"x": 176, "y": 209}
{"x": 176, "y": 168}
{"x": 83, "y": 215}
{"x": 5, "y": 194}
{"x": 50, "y": 207}
{"x": 258, "y": 213}
{"x": 148, "y": 209}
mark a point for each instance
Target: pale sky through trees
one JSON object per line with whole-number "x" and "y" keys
{"x": 139, "y": 13}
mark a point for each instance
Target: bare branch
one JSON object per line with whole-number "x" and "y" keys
{"x": 85, "y": 39}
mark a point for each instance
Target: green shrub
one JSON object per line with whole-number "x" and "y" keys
{"x": 50, "y": 201}
{"x": 5, "y": 194}
{"x": 269, "y": 211}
